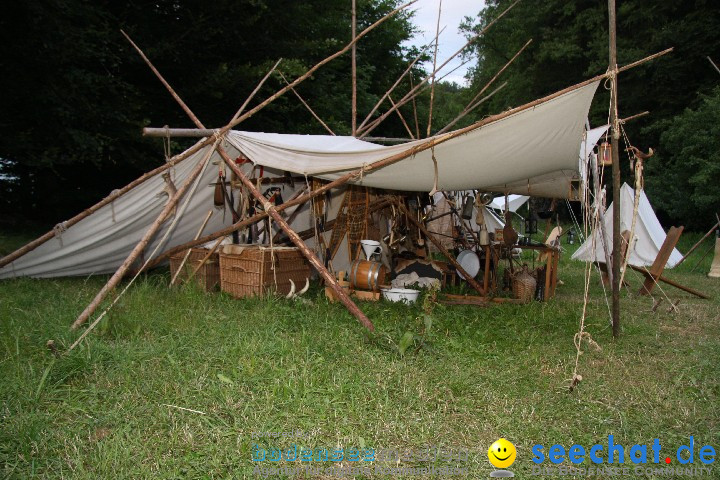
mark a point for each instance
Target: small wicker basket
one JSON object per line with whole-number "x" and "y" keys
{"x": 523, "y": 285}
{"x": 208, "y": 277}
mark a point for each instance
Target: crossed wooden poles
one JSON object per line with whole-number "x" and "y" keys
{"x": 269, "y": 210}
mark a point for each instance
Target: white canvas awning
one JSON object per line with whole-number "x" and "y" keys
{"x": 532, "y": 152}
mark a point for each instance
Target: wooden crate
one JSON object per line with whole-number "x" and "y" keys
{"x": 249, "y": 272}
{"x": 208, "y": 277}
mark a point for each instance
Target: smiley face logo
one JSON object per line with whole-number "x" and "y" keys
{"x": 501, "y": 453}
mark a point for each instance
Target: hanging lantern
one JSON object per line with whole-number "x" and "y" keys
{"x": 571, "y": 237}
{"x": 605, "y": 154}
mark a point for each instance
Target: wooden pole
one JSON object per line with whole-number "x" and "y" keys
{"x": 135, "y": 253}
{"x": 692, "y": 249}
{"x": 312, "y": 112}
{"x": 471, "y": 108}
{"x": 415, "y": 113}
{"x": 271, "y": 210}
{"x": 392, "y": 88}
{"x": 354, "y": 70}
{"x": 370, "y": 127}
{"x": 402, "y": 118}
{"x": 187, "y": 255}
{"x": 432, "y": 88}
{"x": 439, "y": 245}
{"x": 471, "y": 104}
{"x": 256, "y": 89}
{"x": 614, "y": 137}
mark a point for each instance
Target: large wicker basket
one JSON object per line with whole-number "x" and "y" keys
{"x": 250, "y": 271}
{"x": 523, "y": 285}
{"x": 208, "y": 277}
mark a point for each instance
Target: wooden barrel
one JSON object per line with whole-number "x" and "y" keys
{"x": 367, "y": 275}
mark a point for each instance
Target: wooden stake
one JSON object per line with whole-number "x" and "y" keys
{"x": 354, "y": 70}
{"x": 614, "y": 137}
{"x": 187, "y": 255}
{"x": 432, "y": 88}
{"x": 135, "y": 253}
{"x": 312, "y": 112}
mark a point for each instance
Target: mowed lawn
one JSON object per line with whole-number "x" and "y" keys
{"x": 109, "y": 409}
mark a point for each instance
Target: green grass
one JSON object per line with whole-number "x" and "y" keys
{"x": 275, "y": 365}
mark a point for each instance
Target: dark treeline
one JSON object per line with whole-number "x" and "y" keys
{"x": 570, "y": 44}
{"x": 75, "y": 95}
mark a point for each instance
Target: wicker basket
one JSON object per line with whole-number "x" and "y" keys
{"x": 523, "y": 285}
{"x": 250, "y": 272}
{"x": 208, "y": 277}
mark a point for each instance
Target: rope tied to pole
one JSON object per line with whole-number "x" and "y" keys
{"x": 59, "y": 229}
{"x": 166, "y": 144}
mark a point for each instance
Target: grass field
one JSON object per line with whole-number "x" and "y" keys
{"x": 109, "y": 409}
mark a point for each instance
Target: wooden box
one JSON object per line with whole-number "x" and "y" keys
{"x": 208, "y": 277}
{"x": 249, "y": 270}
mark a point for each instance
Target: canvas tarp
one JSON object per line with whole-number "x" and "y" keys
{"x": 533, "y": 151}
{"x": 648, "y": 231}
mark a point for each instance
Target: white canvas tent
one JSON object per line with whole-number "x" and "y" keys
{"x": 514, "y": 202}
{"x": 648, "y": 231}
{"x": 533, "y": 151}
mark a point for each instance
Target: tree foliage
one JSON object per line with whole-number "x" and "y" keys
{"x": 570, "y": 44}
{"x": 76, "y": 95}
{"x": 690, "y": 148}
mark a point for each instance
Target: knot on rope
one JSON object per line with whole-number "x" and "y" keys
{"x": 59, "y": 229}
{"x": 580, "y": 336}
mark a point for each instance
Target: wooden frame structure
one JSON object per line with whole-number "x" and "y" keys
{"x": 213, "y": 138}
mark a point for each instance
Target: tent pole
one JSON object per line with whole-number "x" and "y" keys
{"x": 305, "y": 104}
{"x": 471, "y": 104}
{"x": 271, "y": 210}
{"x": 391, "y": 89}
{"x": 432, "y": 87}
{"x": 614, "y": 137}
{"x": 135, "y": 253}
{"x": 354, "y": 69}
{"x": 401, "y": 102}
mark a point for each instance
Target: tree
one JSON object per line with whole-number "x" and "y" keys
{"x": 570, "y": 44}
{"x": 690, "y": 150}
{"x": 79, "y": 95}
